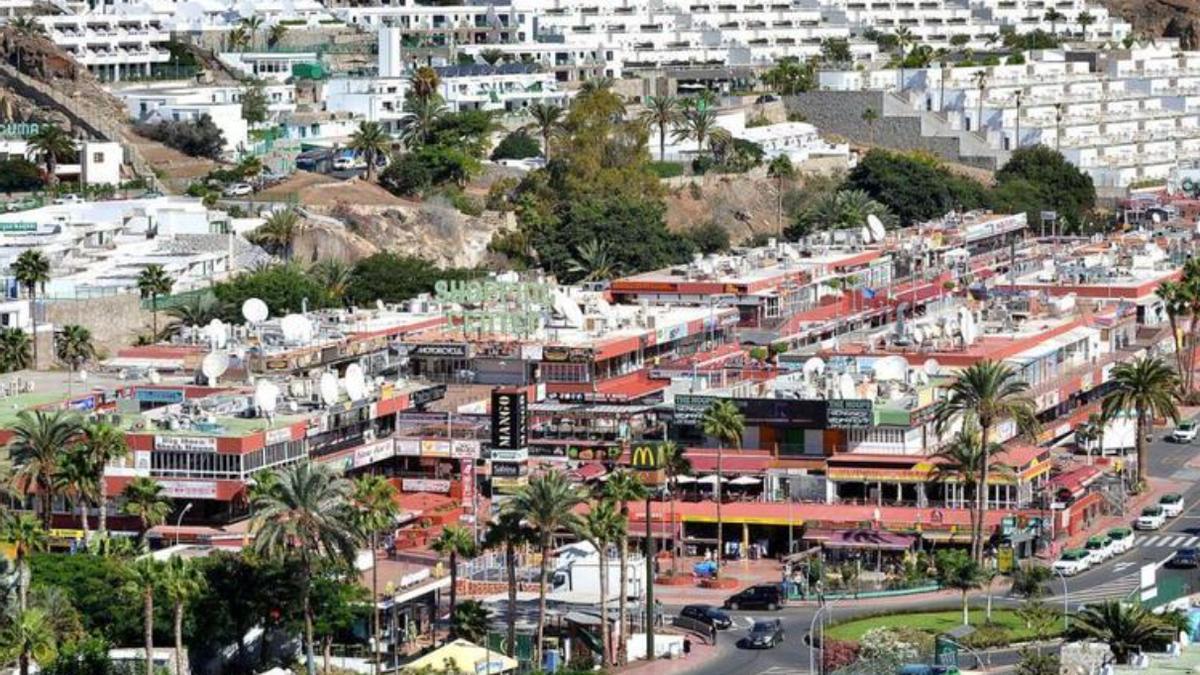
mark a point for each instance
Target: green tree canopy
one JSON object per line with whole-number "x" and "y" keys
{"x": 913, "y": 186}
{"x": 394, "y": 278}
{"x": 1049, "y": 181}
{"x": 282, "y": 287}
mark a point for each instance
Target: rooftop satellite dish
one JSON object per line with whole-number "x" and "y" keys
{"x": 865, "y": 233}
{"x": 814, "y": 366}
{"x": 266, "y": 396}
{"x": 215, "y": 332}
{"x": 846, "y": 386}
{"x": 254, "y": 310}
{"x": 356, "y": 383}
{"x": 153, "y": 376}
{"x": 568, "y": 308}
{"x": 213, "y": 366}
{"x": 876, "y": 227}
{"x": 931, "y": 367}
{"x": 891, "y": 369}
{"x": 379, "y": 304}
{"x": 328, "y": 388}
{"x": 296, "y": 328}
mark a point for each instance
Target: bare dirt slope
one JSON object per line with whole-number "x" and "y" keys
{"x": 1165, "y": 18}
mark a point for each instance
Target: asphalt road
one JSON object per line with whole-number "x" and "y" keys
{"x": 1117, "y": 578}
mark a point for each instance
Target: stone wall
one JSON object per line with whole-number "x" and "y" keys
{"x": 115, "y": 321}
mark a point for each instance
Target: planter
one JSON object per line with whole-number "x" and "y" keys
{"x": 674, "y": 580}
{"x": 722, "y": 583}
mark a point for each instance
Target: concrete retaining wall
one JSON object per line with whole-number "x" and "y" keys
{"x": 115, "y": 321}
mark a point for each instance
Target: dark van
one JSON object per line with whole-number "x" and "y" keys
{"x": 766, "y": 596}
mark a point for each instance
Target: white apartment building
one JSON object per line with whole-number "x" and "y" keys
{"x": 267, "y": 66}
{"x": 113, "y": 47}
{"x": 181, "y": 102}
{"x": 798, "y": 141}
{"x": 98, "y": 162}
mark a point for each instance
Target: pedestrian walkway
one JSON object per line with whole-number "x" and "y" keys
{"x": 1158, "y": 488}
{"x": 1168, "y": 540}
{"x": 701, "y": 653}
{"x": 1118, "y": 588}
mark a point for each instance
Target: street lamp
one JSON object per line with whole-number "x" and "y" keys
{"x": 1066, "y": 600}
{"x": 179, "y": 520}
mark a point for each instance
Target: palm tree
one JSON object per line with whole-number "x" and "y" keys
{"x": 73, "y": 346}
{"x": 276, "y": 33}
{"x": 986, "y": 393}
{"x": 1178, "y": 298}
{"x": 603, "y": 525}
{"x": 508, "y": 532}
{"x": 28, "y": 26}
{"x": 239, "y": 38}
{"x": 1053, "y": 16}
{"x": 196, "y": 310}
{"x": 144, "y": 499}
{"x": 470, "y": 621}
{"x": 29, "y": 637}
{"x": 453, "y": 542}
{"x": 252, "y": 24}
{"x": 38, "y": 436}
{"x": 307, "y": 517}
{"x": 1085, "y": 19}
{"x": 1149, "y": 387}
{"x": 962, "y": 573}
{"x": 424, "y": 83}
{"x": 1126, "y": 628}
{"x": 961, "y": 461}
{"x": 780, "y": 169}
{"x": 372, "y": 141}
{"x": 153, "y": 282}
{"x": 182, "y": 581}
{"x": 52, "y": 144}
{"x": 105, "y": 443}
{"x": 423, "y": 116}
{"x": 547, "y": 119}
{"x": 698, "y": 124}
{"x": 981, "y": 78}
{"x": 375, "y": 509}
{"x": 142, "y": 577}
{"x": 78, "y": 481}
{"x": 334, "y": 275}
{"x": 26, "y": 536}
{"x": 491, "y": 56}
{"x": 32, "y": 270}
{"x": 595, "y": 85}
{"x": 725, "y": 423}
{"x": 593, "y": 261}
{"x": 662, "y": 112}
{"x": 277, "y": 232}
{"x": 250, "y": 166}
{"x": 622, "y": 488}
{"x": 547, "y": 503}
{"x": 14, "y": 349}
{"x": 675, "y": 464}
{"x": 870, "y": 117}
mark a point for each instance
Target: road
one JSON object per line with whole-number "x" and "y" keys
{"x": 1117, "y": 578}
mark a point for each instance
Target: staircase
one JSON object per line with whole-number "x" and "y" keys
{"x": 973, "y": 148}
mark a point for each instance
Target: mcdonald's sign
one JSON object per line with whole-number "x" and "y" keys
{"x": 646, "y": 458}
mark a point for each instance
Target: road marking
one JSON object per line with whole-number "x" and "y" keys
{"x": 1123, "y": 566}
{"x": 1117, "y": 588}
{"x": 1150, "y": 541}
{"x": 783, "y": 670}
{"x": 1177, "y": 541}
{"x": 1192, "y": 541}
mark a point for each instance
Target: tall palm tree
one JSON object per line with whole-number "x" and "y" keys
{"x": 622, "y": 488}
{"x": 603, "y": 525}
{"x": 29, "y": 637}
{"x": 31, "y": 269}
{"x": 1085, "y": 19}
{"x": 153, "y": 282}
{"x": 986, "y": 393}
{"x": 252, "y": 24}
{"x": 594, "y": 261}
{"x": 1126, "y": 628}
{"x": 14, "y": 350}
{"x": 307, "y": 517}
{"x": 1149, "y": 387}
{"x": 870, "y": 117}
{"x": 38, "y": 437}
{"x": 424, "y": 83}
{"x": 77, "y": 480}
{"x": 375, "y": 510}
{"x": 372, "y": 141}
{"x": 470, "y": 621}
{"x": 238, "y": 39}
{"x": 664, "y": 113}
{"x": 981, "y": 78}
{"x": 142, "y": 577}
{"x": 51, "y": 144}
{"x": 423, "y": 117}
{"x": 698, "y": 124}
{"x": 334, "y": 275}
{"x": 961, "y": 461}
{"x": 196, "y": 310}
{"x": 596, "y": 85}
{"x": 509, "y": 533}
{"x": 547, "y": 120}
{"x": 724, "y": 422}
{"x": 182, "y": 581}
{"x": 547, "y": 503}
{"x": 675, "y": 464}
{"x": 27, "y": 25}
{"x": 781, "y": 170}
{"x": 105, "y": 443}
{"x": 1053, "y": 16}
{"x": 452, "y": 543}
{"x": 73, "y": 346}
{"x": 278, "y": 232}
{"x": 144, "y": 499}
{"x": 276, "y": 34}
{"x": 26, "y": 536}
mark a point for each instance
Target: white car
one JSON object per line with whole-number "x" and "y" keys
{"x": 1185, "y": 432}
{"x": 1072, "y": 562}
{"x": 1152, "y": 518}
{"x": 1122, "y": 539}
{"x": 69, "y": 199}
{"x": 1100, "y": 548}
{"x": 1171, "y": 504}
{"x": 348, "y": 162}
{"x": 239, "y": 190}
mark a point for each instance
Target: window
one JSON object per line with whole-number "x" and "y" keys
{"x": 97, "y": 157}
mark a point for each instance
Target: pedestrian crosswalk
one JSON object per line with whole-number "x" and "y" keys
{"x": 1168, "y": 540}
{"x": 783, "y": 670}
{"x": 1117, "y": 588}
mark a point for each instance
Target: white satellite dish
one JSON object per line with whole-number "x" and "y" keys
{"x": 379, "y": 304}
{"x": 891, "y": 369}
{"x": 254, "y": 310}
{"x": 213, "y": 366}
{"x": 356, "y": 383}
{"x": 846, "y": 386}
{"x": 568, "y": 308}
{"x": 931, "y": 367}
{"x": 266, "y": 396}
{"x": 814, "y": 366}
{"x": 918, "y": 335}
{"x": 876, "y": 227}
{"x": 153, "y": 376}
{"x": 296, "y": 328}
{"x": 865, "y": 233}
{"x": 215, "y": 332}
{"x": 328, "y": 388}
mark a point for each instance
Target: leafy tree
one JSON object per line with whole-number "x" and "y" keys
{"x": 254, "y": 104}
{"x": 470, "y": 620}
{"x": 914, "y": 187}
{"x": 957, "y": 570}
{"x": 429, "y": 166}
{"x": 28, "y": 638}
{"x": 836, "y": 51}
{"x": 152, "y": 282}
{"x": 1034, "y": 662}
{"x": 87, "y": 656}
{"x": 1035, "y": 39}
{"x": 339, "y": 605}
{"x": 708, "y": 237}
{"x": 52, "y": 144}
{"x": 789, "y": 77}
{"x": 1055, "y": 184}
{"x": 1149, "y": 388}
{"x": 93, "y": 586}
{"x": 197, "y": 138}
{"x": 31, "y": 269}
{"x": 18, "y": 174}
{"x": 394, "y": 278}
{"x": 516, "y": 145}
{"x": 373, "y": 142}
{"x": 144, "y": 498}
{"x": 283, "y": 287}
{"x": 14, "y": 350}
{"x": 38, "y": 438}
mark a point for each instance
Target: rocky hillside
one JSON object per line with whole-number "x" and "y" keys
{"x": 1161, "y": 18}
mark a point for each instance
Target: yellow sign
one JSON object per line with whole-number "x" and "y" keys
{"x": 646, "y": 458}
{"x": 1004, "y": 559}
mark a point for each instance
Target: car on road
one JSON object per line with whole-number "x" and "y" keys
{"x": 1152, "y": 518}
{"x": 239, "y": 190}
{"x": 1185, "y": 432}
{"x": 1185, "y": 558}
{"x": 1100, "y": 548}
{"x": 1171, "y": 504}
{"x": 707, "y": 614}
{"x": 1122, "y": 539}
{"x": 69, "y": 199}
{"x": 763, "y": 596}
{"x": 765, "y": 634}
{"x": 1073, "y": 561}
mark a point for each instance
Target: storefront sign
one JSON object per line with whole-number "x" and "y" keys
{"x": 164, "y": 396}
{"x": 18, "y": 227}
{"x": 435, "y": 448}
{"x": 498, "y": 455}
{"x": 465, "y": 449}
{"x": 278, "y": 436}
{"x": 850, "y": 413}
{"x": 811, "y": 414}
{"x": 508, "y": 469}
{"x": 425, "y": 485}
{"x": 442, "y": 351}
{"x": 567, "y": 354}
{"x": 408, "y": 448}
{"x": 189, "y": 489}
{"x": 509, "y": 426}
{"x": 19, "y": 129}
{"x": 427, "y": 395}
{"x": 185, "y": 443}
{"x": 467, "y": 467}
{"x": 508, "y": 486}
{"x": 370, "y": 453}
{"x": 276, "y": 364}
{"x": 497, "y": 307}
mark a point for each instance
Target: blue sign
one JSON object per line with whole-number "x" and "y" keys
{"x": 88, "y": 403}
{"x": 164, "y": 396}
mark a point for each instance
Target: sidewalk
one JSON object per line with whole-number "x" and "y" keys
{"x": 1158, "y": 488}
{"x": 747, "y": 572}
{"x": 701, "y": 654}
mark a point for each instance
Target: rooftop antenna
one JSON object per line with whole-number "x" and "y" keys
{"x": 814, "y": 366}
{"x": 876, "y": 227}
{"x": 296, "y": 328}
{"x": 931, "y": 367}
{"x": 215, "y": 332}
{"x": 153, "y": 376}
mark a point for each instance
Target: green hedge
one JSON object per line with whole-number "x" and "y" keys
{"x": 666, "y": 169}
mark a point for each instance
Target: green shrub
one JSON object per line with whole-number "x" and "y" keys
{"x": 517, "y": 145}
{"x": 666, "y": 169}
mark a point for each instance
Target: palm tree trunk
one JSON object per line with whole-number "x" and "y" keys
{"x": 178, "y": 638}
{"x": 22, "y": 582}
{"x": 375, "y": 599}
{"x": 510, "y": 565}
{"x": 1141, "y": 446}
{"x": 1178, "y": 342}
{"x": 623, "y": 581}
{"x": 310, "y": 659}
{"x": 46, "y": 502}
{"x": 83, "y": 519}
{"x": 326, "y": 652}
{"x": 154, "y": 315}
{"x": 674, "y": 532}
{"x": 453, "y": 590}
{"x": 984, "y": 428}
{"x": 103, "y": 506}
{"x": 662, "y": 142}
{"x": 604, "y": 642}
{"x": 24, "y": 660}
{"x": 541, "y": 625}
{"x": 966, "y": 609}
{"x": 546, "y": 144}
{"x": 33, "y": 322}
{"x": 148, "y": 628}
{"x": 717, "y": 492}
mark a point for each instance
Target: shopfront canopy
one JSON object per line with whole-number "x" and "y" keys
{"x": 462, "y": 656}
{"x": 861, "y": 539}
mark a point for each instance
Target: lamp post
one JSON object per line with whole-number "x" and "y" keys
{"x": 1066, "y": 600}
{"x": 649, "y": 584}
{"x": 179, "y": 520}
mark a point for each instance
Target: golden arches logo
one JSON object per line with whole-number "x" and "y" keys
{"x": 645, "y": 458}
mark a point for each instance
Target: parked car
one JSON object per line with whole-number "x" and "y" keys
{"x": 69, "y": 199}
{"x": 707, "y": 614}
{"x": 1185, "y": 432}
{"x": 1171, "y": 504}
{"x": 765, "y": 634}
{"x": 239, "y": 190}
{"x": 1072, "y": 562}
{"x": 1122, "y": 539}
{"x": 765, "y": 596}
{"x": 1185, "y": 558}
{"x": 1100, "y": 548}
{"x": 343, "y": 163}
{"x": 1152, "y": 518}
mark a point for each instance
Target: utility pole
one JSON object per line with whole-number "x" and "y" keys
{"x": 649, "y": 584}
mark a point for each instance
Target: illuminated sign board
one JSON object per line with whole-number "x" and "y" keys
{"x": 495, "y": 307}
{"x": 509, "y": 427}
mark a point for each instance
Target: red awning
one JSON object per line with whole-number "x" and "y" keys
{"x": 868, "y": 539}
{"x": 1075, "y": 481}
{"x": 630, "y": 387}
{"x": 732, "y": 461}
{"x": 588, "y": 471}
